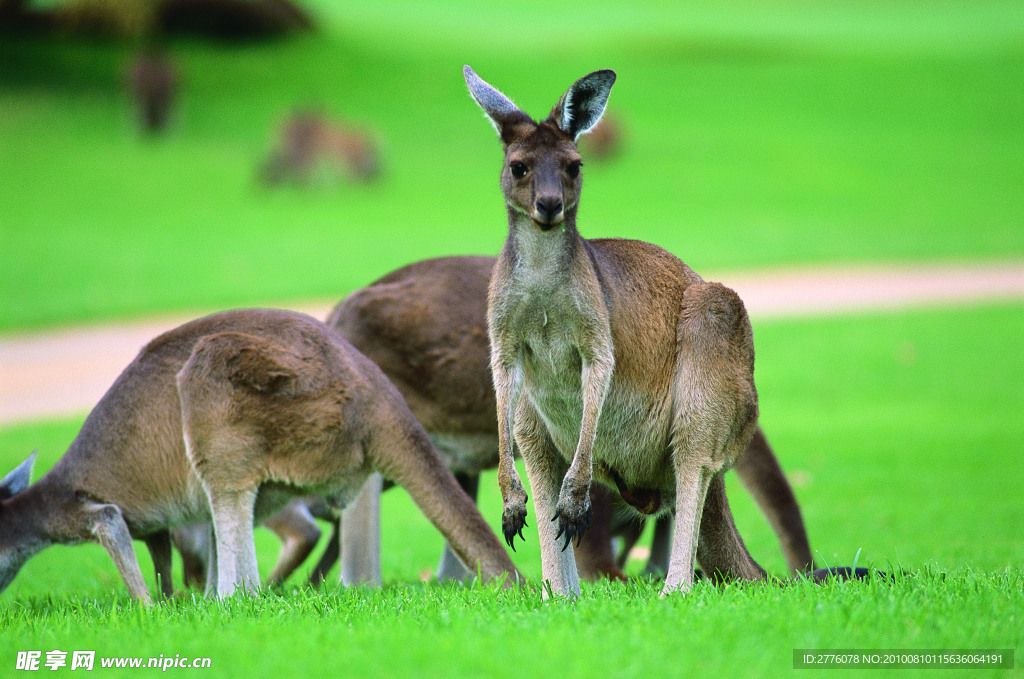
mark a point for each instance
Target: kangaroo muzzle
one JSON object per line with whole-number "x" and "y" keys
{"x": 548, "y": 212}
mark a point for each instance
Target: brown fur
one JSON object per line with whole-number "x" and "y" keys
{"x": 268, "y": 401}
{"x": 425, "y": 325}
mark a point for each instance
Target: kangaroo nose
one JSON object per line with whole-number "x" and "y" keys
{"x": 548, "y": 208}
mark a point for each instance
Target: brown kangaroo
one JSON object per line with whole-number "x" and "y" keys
{"x": 425, "y": 325}
{"x": 611, "y": 359}
{"x": 229, "y": 417}
{"x": 310, "y": 140}
{"x": 153, "y": 86}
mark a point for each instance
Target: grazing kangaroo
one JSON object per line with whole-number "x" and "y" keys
{"x": 310, "y": 140}
{"x": 230, "y": 416}
{"x": 611, "y": 359}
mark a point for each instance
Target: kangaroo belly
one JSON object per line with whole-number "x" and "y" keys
{"x": 161, "y": 510}
{"x": 471, "y": 453}
{"x": 632, "y": 441}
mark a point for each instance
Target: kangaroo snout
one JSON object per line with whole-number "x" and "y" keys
{"x": 548, "y": 212}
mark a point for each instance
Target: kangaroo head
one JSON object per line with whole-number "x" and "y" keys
{"x": 18, "y": 479}
{"x": 12, "y": 553}
{"x": 541, "y": 175}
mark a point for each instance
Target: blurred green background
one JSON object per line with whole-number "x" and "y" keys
{"x": 752, "y": 135}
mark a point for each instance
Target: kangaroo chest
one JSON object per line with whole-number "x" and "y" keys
{"x": 633, "y": 428}
{"x": 546, "y": 323}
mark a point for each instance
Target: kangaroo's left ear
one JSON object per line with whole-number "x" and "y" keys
{"x": 18, "y": 479}
{"x": 580, "y": 109}
{"x": 503, "y": 114}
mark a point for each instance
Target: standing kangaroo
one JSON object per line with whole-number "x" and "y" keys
{"x": 425, "y": 325}
{"x": 230, "y": 416}
{"x": 610, "y": 358}
{"x": 153, "y": 85}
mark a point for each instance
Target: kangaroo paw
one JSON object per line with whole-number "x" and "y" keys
{"x": 573, "y": 521}
{"x": 513, "y": 520}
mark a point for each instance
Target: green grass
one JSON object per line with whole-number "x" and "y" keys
{"x": 754, "y": 136}
{"x": 444, "y": 632}
{"x": 901, "y": 434}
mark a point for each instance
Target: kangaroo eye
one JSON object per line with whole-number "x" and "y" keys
{"x": 573, "y": 170}
{"x": 519, "y": 170}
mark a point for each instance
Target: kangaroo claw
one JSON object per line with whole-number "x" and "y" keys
{"x": 571, "y": 529}
{"x": 512, "y": 522}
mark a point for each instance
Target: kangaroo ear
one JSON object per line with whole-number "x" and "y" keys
{"x": 580, "y": 109}
{"x": 17, "y": 480}
{"x": 503, "y": 114}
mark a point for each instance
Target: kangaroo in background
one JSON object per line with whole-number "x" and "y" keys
{"x": 309, "y": 141}
{"x": 228, "y": 417}
{"x": 611, "y": 359}
{"x": 604, "y": 140}
{"x": 152, "y": 81}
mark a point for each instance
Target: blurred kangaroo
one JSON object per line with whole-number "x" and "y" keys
{"x": 153, "y": 86}
{"x": 228, "y": 417}
{"x": 602, "y": 142}
{"x": 611, "y": 360}
{"x": 309, "y": 140}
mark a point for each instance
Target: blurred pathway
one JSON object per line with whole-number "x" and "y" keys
{"x": 65, "y": 372}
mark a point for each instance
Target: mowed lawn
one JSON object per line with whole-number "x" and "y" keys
{"x": 901, "y": 434}
{"x": 754, "y": 135}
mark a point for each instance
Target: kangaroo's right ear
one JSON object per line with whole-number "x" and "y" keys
{"x": 580, "y": 109}
{"x": 503, "y": 114}
{"x": 17, "y": 480}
